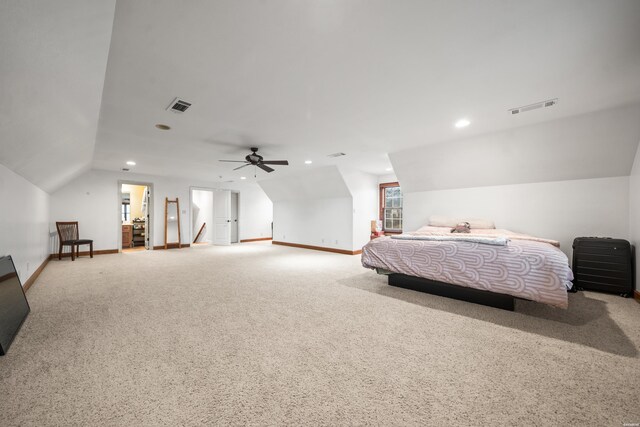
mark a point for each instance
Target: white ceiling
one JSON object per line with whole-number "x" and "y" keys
{"x": 320, "y": 183}
{"x": 593, "y": 145}
{"x": 303, "y": 79}
{"x": 53, "y": 58}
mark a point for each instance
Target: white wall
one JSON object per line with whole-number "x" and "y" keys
{"x": 634, "y": 210}
{"x": 326, "y": 206}
{"x": 202, "y": 213}
{"x": 314, "y": 208}
{"x": 93, "y": 200}
{"x": 255, "y": 212}
{"x": 391, "y": 177}
{"x": 319, "y": 222}
{"x": 364, "y": 192}
{"x": 559, "y": 210}
{"x": 24, "y": 222}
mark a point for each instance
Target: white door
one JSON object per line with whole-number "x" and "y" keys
{"x": 234, "y": 217}
{"x": 146, "y": 203}
{"x": 222, "y": 217}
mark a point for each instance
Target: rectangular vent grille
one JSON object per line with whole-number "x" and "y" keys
{"x": 543, "y": 104}
{"x": 178, "y": 105}
{"x": 336, "y": 155}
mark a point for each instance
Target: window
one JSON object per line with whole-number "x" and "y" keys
{"x": 126, "y": 211}
{"x": 391, "y": 207}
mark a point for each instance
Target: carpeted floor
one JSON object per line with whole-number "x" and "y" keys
{"x": 255, "y": 334}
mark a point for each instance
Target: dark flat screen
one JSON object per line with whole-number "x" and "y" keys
{"x": 13, "y": 303}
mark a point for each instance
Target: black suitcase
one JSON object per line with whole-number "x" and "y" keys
{"x": 603, "y": 264}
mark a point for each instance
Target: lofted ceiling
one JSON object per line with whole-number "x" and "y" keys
{"x": 304, "y": 79}
{"x": 53, "y": 58}
{"x": 594, "y": 145}
{"x": 320, "y": 183}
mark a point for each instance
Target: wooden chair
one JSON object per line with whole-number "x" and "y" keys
{"x": 68, "y": 235}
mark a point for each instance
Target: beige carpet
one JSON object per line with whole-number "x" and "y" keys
{"x": 256, "y": 334}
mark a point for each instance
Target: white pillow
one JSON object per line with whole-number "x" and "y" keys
{"x": 445, "y": 221}
{"x": 442, "y": 221}
{"x": 480, "y": 223}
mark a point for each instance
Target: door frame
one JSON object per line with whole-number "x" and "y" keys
{"x": 149, "y": 231}
{"x": 237, "y": 193}
{"x": 213, "y": 190}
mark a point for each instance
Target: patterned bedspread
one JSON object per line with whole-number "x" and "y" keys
{"x": 527, "y": 269}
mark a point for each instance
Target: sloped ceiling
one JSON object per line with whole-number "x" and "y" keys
{"x": 319, "y": 183}
{"x": 303, "y": 79}
{"x": 298, "y": 79}
{"x": 52, "y": 68}
{"x": 594, "y": 145}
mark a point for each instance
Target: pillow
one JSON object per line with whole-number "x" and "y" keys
{"x": 442, "y": 221}
{"x": 481, "y": 223}
{"x": 445, "y": 221}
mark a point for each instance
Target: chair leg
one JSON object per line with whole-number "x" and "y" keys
{"x": 91, "y": 249}
{"x": 73, "y": 253}
{"x": 60, "y": 252}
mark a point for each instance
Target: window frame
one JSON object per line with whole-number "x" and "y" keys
{"x": 381, "y": 205}
{"x": 123, "y": 214}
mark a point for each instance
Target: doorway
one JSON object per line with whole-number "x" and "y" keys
{"x": 214, "y": 216}
{"x": 201, "y": 217}
{"x": 234, "y": 217}
{"x": 135, "y": 213}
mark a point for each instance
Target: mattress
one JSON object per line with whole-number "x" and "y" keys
{"x": 529, "y": 269}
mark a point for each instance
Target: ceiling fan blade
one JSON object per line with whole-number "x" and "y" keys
{"x": 275, "y": 162}
{"x": 243, "y": 166}
{"x": 234, "y": 161}
{"x": 265, "y": 168}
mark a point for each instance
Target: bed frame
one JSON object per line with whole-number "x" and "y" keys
{"x": 491, "y": 299}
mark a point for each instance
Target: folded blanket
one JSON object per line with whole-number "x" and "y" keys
{"x": 493, "y": 240}
{"x": 437, "y": 231}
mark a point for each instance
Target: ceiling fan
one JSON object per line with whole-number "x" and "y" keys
{"x": 257, "y": 160}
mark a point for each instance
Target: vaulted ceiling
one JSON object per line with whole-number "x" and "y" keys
{"x": 299, "y": 79}
{"x": 53, "y": 58}
{"x": 594, "y": 145}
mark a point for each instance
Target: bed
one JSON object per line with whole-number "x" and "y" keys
{"x": 486, "y": 265}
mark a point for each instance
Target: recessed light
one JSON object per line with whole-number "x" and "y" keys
{"x": 243, "y": 177}
{"x": 307, "y": 162}
{"x": 389, "y": 169}
{"x": 131, "y": 163}
{"x": 462, "y": 123}
{"x": 163, "y": 127}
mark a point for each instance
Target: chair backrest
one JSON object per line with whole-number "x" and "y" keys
{"x": 67, "y": 230}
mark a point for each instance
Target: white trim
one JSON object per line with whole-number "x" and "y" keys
{"x": 149, "y": 229}
{"x": 195, "y": 187}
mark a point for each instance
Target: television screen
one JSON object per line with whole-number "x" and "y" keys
{"x": 13, "y": 303}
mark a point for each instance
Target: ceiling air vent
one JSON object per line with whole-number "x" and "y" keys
{"x": 543, "y": 104}
{"x": 178, "y": 106}
{"x": 336, "y": 155}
